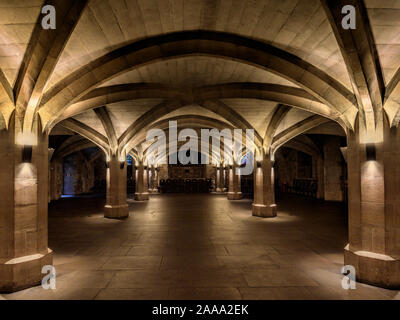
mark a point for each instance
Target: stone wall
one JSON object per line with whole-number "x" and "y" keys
{"x": 333, "y": 169}
{"x": 163, "y": 172}
{"x": 56, "y": 178}
{"x": 99, "y": 184}
{"x": 82, "y": 175}
{"x": 286, "y": 166}
{"x": 290, "y": 164}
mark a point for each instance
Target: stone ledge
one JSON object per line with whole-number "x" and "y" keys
{"x": 141, "y": 196}
{"x": 264, "y": 211}
{"x": 374, "y": 269}
{"x": 23, "y": 272}
{"x": 116, "y": 212}
{"x": 235, "y": 195}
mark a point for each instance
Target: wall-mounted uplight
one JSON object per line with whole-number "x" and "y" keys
{"x": 258, "y": 162}
{"x": 27, "y": 140}
{"x": 370, "y": 151}
{"x": 27, "y": 154}
{"x": 121, "y": 162}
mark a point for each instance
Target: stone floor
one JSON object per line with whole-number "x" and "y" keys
{"x": 199, "y": 247}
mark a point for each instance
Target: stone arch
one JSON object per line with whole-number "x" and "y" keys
{"x": 294, "y": 97}
{"x": 228, "y": 46}
{"x": 295, "y": 130}
{"x": 194, "y": 121}
{"x": 87, "y": 132}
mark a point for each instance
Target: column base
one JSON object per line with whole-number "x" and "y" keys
{"x": 264, "y": 211}
{"x": 235, "y": 195}
{"x": 220, "y": 191}
{"x": 116, "y": 212}
{"x": 23, "y": 272}
{"x": 153, "y": 190}
{"x": 141, "y": 196}
{"x": 375, "y": 269}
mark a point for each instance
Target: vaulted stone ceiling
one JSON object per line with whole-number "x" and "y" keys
{"x": 17, "y": 20}
{"x": 224, "y": 77}
{"x": 288, "y": 24}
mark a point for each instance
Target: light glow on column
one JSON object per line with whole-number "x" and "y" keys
{"x": 26, "y": 139}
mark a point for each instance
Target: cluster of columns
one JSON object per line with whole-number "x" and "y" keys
{"x": 374, "y": 204}
{"x": 220, "y": 179}
{"x": 264, "y": 190}
{"x": 142, "y": 189}
{"x": 234, "y": 184}
{"x": 146, "y": 182}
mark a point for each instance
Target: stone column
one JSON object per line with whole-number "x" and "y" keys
{"x": 234, "y": 192}
{"x": 374, "y": 207}
{"x": 153, "y": 180}
{"x": 333, "y": 170}
{"x": 52, "y": 180}
{"x": 264, "y": 189}
{"x": 146, "y": 179}
{"x": 219, "y": 179}
{"x": 141, "y": 193}
{"x": 320, "y": 178}
{"x": 156, "y": 183}
{"x": 116, "y": 206}
{"x": 56, "y": 179}
{"x": 226, "y": 178}
{"x": 23, "y": 210}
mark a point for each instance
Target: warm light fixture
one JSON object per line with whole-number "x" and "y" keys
{"x": 27, "y": 140}
{"x": 370, "y": 151}
{"x": 27, "y": 154}
{"x": 121, "y": 162}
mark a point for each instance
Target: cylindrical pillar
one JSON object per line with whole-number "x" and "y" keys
{"x": 234, "y": 191}
{"x": 116, "y": 206}
{"x": 264, "y": 190}
{"x": 219, "y": 177}
{"x": 141, "y": 193}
